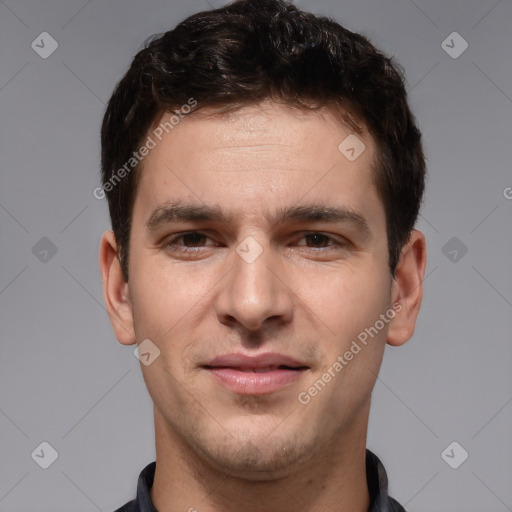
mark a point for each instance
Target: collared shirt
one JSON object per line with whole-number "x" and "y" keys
{"x": 375, "y": 476}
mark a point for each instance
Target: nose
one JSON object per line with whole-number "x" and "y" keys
{"x": 254, "y": 293}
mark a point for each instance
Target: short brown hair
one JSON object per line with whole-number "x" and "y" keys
{"x": 252, "y": 50}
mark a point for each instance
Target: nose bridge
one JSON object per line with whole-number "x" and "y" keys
{"x": 252, "y": 292}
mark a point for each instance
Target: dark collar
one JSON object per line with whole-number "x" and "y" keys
{"x": 375, "y": 476}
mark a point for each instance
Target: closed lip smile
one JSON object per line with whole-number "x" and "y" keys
{"x": 255, "y": 375}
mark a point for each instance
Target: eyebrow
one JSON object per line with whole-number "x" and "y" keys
{"x": 179, "y": 211}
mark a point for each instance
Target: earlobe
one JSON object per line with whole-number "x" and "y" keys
{"x": 407, "y": 289}
{"x": 115, "y": 290}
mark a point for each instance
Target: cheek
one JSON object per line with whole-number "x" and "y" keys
{"x": 169, "y": 308}
{"x": 349, "y": 305}
{"x": 158, "y": 300}
{"x": 347, "y": 301}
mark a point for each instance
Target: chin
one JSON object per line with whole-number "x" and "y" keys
{"x": 256, "y": 456}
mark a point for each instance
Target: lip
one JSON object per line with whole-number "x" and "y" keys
{"x": 255, "y": 375}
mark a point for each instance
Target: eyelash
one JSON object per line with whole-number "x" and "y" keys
{"x": 171, "y": 245}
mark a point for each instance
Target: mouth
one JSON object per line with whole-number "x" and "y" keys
{"x": 254, "y": 369}
{"x": 258, "y": 375}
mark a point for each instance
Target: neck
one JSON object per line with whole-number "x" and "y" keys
{"x": 333, "y": 479}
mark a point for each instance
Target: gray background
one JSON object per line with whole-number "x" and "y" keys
{"x": 64, "y": 378}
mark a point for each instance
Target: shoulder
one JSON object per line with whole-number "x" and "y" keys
{"x": 131, "y": 506}
{"x": 394, "y": 506}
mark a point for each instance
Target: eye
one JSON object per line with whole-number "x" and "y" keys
{"x": 194, "y": 239}
{"x": 189, "y": 241}
{"x": 321, "y": 240}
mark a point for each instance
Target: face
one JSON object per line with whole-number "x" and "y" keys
{"x": 258, "y": 257}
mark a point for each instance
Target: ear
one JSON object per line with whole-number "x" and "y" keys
{"x": 115, "y": 290}
{"x": 407, "y": 289}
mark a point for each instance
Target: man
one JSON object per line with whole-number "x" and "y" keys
{"x": 264, "y": 175}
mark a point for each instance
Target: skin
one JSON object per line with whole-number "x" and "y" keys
{"x": 306, "y": 297}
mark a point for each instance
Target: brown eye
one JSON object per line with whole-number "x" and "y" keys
{"x": 318, "y": 239}
{"x": 193, "y": 239}
{"x": 187, "y": 241}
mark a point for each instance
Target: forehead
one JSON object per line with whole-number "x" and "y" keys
{"x": 258, "y": 155}
{"x": 281, "y": 132}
